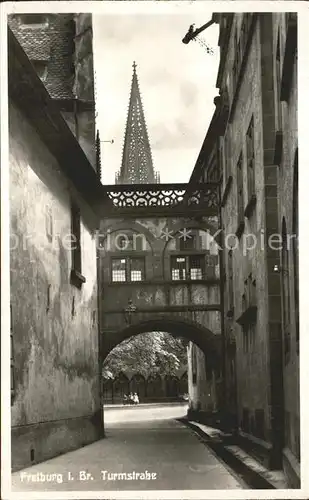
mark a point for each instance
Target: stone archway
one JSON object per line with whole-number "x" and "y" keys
{"x": 206, "y": 340}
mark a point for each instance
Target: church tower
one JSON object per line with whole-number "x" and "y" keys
{"x": 136, "y": 166}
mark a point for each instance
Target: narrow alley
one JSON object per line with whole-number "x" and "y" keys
{"x": 151, "y": 317}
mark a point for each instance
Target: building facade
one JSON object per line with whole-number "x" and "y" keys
{"x": 55, "y": 385}
{"x": 255, "y": 151}
{"x": 287, "y": 159}
{"x": 166, "y": 279}
{"x": 60, "y": 50}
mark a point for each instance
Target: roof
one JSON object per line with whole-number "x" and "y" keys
{"x": 52, "y": 44}
{"x": 29, "y": 93}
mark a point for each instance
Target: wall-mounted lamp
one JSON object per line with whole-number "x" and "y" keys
{"x": 129, "y": 310}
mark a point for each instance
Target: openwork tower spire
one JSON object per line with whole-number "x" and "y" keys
{"x": 137, "y": 166}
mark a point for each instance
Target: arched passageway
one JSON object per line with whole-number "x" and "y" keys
{"x": 161, "y": 385}
{"x": 206, "y": 340}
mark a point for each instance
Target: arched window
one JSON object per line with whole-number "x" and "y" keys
{"x": 285, "y": 283}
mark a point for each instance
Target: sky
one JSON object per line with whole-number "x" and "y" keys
{"x": 176, "y": 81}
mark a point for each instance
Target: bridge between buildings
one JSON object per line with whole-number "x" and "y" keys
{"x": 170, "y": 282}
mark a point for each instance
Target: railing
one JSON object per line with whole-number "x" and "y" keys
{"x": 158, "y": 199}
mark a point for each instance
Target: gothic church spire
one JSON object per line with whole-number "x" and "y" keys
{"x": 136, "y": 166}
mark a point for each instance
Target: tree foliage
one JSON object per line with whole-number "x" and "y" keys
{"x": 147, "y": 354}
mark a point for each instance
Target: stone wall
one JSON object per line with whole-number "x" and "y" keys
{"x": 285, "y": 28}
{"x": 252, "y": 366}
{"x": 203, "y": 384}
{"x": 157, "y": 295}
{"x": 255, "y": 71}
{"x": 55, "y": 394}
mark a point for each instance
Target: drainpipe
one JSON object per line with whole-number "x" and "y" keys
{"x": 100, "y": 364}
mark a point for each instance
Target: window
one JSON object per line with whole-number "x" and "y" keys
{"x": 12, "y": 358}
{"x": 190, "y": 267}
{"x": 76, "y": 240}
{"x": 250, "y": 159}
{"x": 73, "y": 307}
{"x": 178, "y": 268}
{"x": 137, "y": 269}
{"x": 128, "y": 269}
{"x": 240, "y": 193}
{"x": 40, "y": 68}
{"x": 196, "y": 270}
{"x": 119, "y": 270}
{"x": 33, "y": 20}
{"x": 48, "y": 298}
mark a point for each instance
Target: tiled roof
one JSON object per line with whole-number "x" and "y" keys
{"x": 53, "y": 43}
